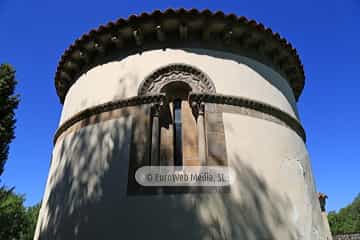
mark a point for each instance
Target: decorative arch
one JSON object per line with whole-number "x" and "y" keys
{"x": 176, "y": 134}
{"x": 195, "y": 78}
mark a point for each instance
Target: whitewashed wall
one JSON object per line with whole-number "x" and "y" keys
{"x": 273, "y": 197}
{"x": 232, "y": 74}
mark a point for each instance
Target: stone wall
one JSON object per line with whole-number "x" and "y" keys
{"x": 354, "y": 236}
{"x": 273, "y": 195}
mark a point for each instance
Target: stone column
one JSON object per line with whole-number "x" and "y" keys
{"x": 199, "y": 108}
{"x": 155, "y": 135}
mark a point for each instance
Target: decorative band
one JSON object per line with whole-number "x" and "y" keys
{"x": 106, "y": 107}
{"x": 275, "y": 113}
{"x": 270, "y": 113}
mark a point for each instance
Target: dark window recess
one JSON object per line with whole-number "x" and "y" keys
{"x": 178, "y": 159}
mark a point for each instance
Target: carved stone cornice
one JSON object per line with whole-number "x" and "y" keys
{"x": 157, "y": 99}
{"x": 252, "y": 108}
{"x": 195, "y": 78}
{"x": 179, "y": 29}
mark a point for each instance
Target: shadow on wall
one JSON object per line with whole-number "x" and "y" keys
{"x": 79, "y": 171}
{"x": 87, "y": 198}
{"x": 273, "y": 77}
{"x": 261, "y": 68}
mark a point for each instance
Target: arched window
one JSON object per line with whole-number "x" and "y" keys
{"x": 181, "y": 132}
{"x": 177, "y": 109}
{"x": 178, "y": 139}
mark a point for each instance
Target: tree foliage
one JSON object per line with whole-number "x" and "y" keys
{"x": 12, "y": 215}
{"x": 16, "y": 221}
{"x": 347, "y": 220}
{"x": 8, "y": 103}
{"x": 32, "y": 214}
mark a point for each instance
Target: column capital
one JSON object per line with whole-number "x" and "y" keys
{"x": 198, "y": 107}
{"x": 156, "y": 108}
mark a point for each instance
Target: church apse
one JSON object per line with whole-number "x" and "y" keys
{"x": 180, "y": 89}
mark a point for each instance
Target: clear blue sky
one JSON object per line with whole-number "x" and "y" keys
{"x": 34, "y": 34}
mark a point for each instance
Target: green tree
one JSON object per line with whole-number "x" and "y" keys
{"x": 32, "y": 214}
{"x": 12, "y": 215}
{"x": 8, "y": 103}
{"x": 16, "y": 221}
{"x": 347, "y": 220}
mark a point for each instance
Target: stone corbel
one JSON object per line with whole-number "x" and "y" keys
{"x": 138, "y": 37}
{"x": 183, "y": 31}
{"x": 160, "y": 33}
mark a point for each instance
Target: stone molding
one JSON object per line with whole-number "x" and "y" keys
{"x": 243, "y": 106}
{"x": 252, "y": 108}
{"x": 179, "y": 72}
{"x": 107, "y": 107}
{"x": 179, "y": 29}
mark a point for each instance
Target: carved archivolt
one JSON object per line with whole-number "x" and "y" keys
{"x": 196, "y": 79}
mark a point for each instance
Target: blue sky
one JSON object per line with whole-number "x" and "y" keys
{"x": 326, "y": 34}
